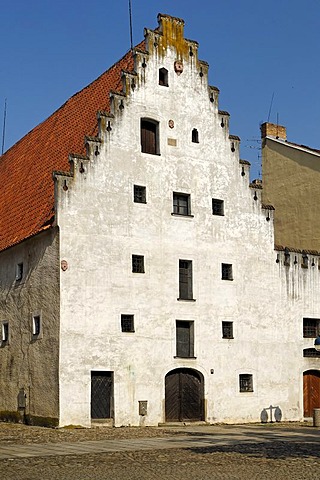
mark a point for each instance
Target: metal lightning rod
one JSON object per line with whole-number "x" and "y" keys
{"x": 130, "y": 20}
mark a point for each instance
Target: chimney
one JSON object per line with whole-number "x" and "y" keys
{"x": 272, "y": 130}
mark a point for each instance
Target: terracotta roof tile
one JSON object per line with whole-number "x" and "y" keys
{"x": 27, "y": 187}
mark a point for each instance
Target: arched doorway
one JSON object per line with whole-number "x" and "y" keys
{"x": 311, "y": 392}
{"x": 184, "y": 395}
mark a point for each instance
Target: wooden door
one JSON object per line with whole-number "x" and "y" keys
{"x": 101, "y": 394}
{"x": 311, "y": 392}
{"x": 184, "y": 394}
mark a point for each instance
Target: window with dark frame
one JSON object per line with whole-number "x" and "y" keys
{"x": 163, "y": 77}
{"x": 226, "y": 271}
{"x": 245, "y": 382}
{"x": 36, "y": 325}
{"x": 227, "y": 329}
{"x": 185, "y": 280}
{"x": 137, "y": 263}
{"x": 139, "y": 194}
{"x": 127, "y": 323}
{"x": 311, "y": 353}
{"x": 5, "y": 332}
{"x": 150, "y": 137}
{"x": 217, "y": 207}
{"x": 181, "y": 203}
{"x": 19, "y": 271}
{"x": 311, "y": 327}
{"x": 195, "y": 136}
{"x": 184, "y": 339}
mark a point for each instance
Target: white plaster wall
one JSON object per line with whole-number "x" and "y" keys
{"x": 101, "y": 227}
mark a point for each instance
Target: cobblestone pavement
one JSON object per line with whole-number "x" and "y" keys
{"x": 222, "y": 452}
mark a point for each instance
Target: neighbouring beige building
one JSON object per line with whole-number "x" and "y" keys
{"x": 291, "y": 179}
{"x": 139, "y": 279}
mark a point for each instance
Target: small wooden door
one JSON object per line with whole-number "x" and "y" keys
{"x": 311, "y": 392}
{"x": 101, "y": 394}
{"x": 184, "y": 394}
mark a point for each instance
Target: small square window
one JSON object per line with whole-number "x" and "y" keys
{"x": 139, "y": 194}
{"x": 311, "y": 327}
{"x": 5, "y": 332}
{"x": 127, "y": 323}
{"x": 19, "y": 271}
{"x": 217, "y": 207}
{"x": 245, "y": 382}
{"x": 137, "y": 263}
{"x": 227, "y": 329}
{"x": 181, "y": 203}
{"x": 226, "y": 271}
{"x": 36, "y": 325}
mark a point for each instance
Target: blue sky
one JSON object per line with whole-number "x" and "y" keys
{"x": 256, "y": 50}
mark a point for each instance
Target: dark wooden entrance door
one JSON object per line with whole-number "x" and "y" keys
{"x": 311, "y": 392}
{"x": 101, "y": 394}
{"x": 184, "y": 391}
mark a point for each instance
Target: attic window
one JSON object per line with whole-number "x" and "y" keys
{"x": 195, "y": 136}
{"x": 150, "y": 136}
{"x": 163, "y": 77}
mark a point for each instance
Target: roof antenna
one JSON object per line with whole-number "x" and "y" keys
{"x": 270, "y": 106}
{"x": 130, "y": 20}
{"x": 4, "y": 125}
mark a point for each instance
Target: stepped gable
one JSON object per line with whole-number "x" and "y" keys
{"x": 27, "y": 186}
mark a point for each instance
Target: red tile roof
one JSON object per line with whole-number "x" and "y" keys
{"x": 27, "y": 187}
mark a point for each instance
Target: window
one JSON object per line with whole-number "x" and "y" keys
{"x": 137, "y": 263}
{"x": 163, "y": 77}
{"x": 184, "y": 338}
{"x": 227, "y": 329}
{"x": 304, "y": 263}
{"x": 5, "y": 332}
{"x": 139, "y": 194}
{"x": 226, "y": 271}
{"x": 245, "y": 382}
{"x": 181, "y": 203}
{"x": 19, "y": 271}
{"x": 311, "y": 353}
{"x": 150, "y": 136}
{"x": 127, "y": 323}
{"x": 185, "y": 280}
{"x": 195, "y": 136}
{"x": 36, "y": 325}
{"x": 311, "y": 327}
{"x": 217, "y": 207}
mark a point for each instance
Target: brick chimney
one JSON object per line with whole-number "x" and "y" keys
{"x": 272, "y": 130}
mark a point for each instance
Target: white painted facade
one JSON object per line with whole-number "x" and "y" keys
{"x": 101, "y": 227}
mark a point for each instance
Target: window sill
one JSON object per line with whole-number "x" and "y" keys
{"x": 182, "y": 215}
{"x": 191, "y": 358}
{"x": 227, "y": 279}
{"x": 227, "y": 338}
{"x": 186, "y": 299}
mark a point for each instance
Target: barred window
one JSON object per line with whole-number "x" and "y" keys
{"x": 227, "y": 329}
{"x": 311, "y": 353}
{"x": 127, "y": 323}
{"x": 137, "y": 263}
{"x": 311, "y": 327}
{"x": 245, "y": 382}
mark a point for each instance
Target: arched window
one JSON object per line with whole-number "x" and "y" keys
{"x": 195, "y": 136}
{"x": 163, "y": 77}
{"x": 149, "y": 136}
